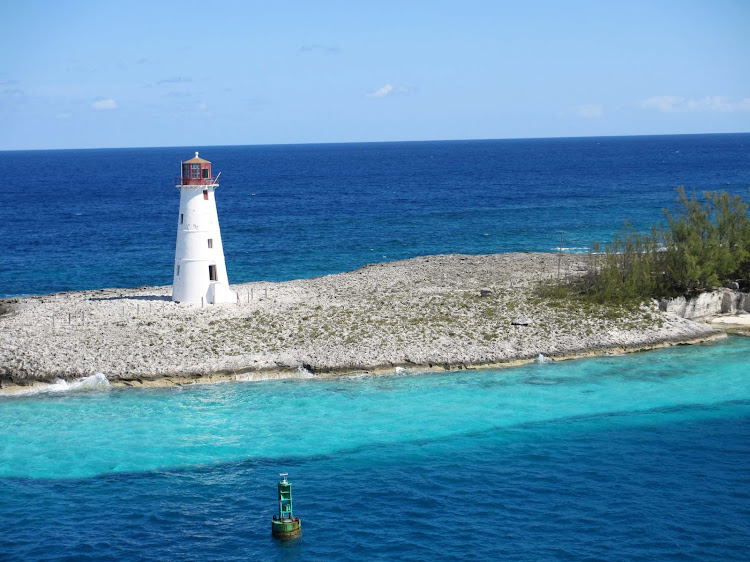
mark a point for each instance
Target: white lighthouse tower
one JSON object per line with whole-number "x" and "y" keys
{"x": 200, "y": 274}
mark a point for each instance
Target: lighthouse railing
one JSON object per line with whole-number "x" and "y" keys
{"x": 196, "y": 181}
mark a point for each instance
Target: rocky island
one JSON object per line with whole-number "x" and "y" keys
{"x": 439, "y": 312}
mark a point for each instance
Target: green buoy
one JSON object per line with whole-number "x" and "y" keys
{"x": 285, "y": 525}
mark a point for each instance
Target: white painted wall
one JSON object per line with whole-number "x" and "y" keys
{"x": 197, "y": 222}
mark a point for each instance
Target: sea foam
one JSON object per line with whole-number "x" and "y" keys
{"x": 98, "y": 381}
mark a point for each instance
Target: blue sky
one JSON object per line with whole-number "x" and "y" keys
{"x": 112, "y": 74}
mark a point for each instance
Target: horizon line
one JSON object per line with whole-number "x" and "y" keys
{"x": 202, "y": 146}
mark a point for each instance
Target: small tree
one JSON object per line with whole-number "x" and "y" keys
{"x": 708, "y": 240}
{"x": 706, "y": 243}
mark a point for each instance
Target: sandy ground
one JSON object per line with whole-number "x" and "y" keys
{"x": 734, "y": 323}
{"x": 450, "y": 311}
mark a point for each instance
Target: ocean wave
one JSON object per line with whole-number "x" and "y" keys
{"x": 302, "y": 373}
{"x": 305, "y": 373}
{"x": 99, "y": 381}
{"x": 397, "y": 372}
{"x": 572, "y": 249}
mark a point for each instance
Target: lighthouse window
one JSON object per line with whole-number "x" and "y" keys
{"x": 178, "y": 270}
{"x": 205, "y": 173}
{"x": 185, "y": 170}
{"x": 195, "y": 171}
{"x": 181, "y": 217}
{"x": 210, "y": 242}
{"x": 205, "y": 194}
{"x": 212, "y": 273}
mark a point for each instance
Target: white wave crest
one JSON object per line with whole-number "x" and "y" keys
{"x": 302, "y": 373}
{"x": 98, "y": 381}
{"x": 305, "y": 373}
{"x": 542, "y": 359}
{"x": 571, "y": 249}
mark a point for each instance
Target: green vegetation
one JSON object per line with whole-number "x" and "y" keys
{"x": 705, "y": 243}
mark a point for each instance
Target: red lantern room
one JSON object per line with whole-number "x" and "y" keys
{"x": 197, "y": 171}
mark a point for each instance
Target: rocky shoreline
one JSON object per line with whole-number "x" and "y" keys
{"x": 437, "y": 312}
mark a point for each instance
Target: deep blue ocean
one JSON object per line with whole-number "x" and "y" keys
{"x": 82, "y": 219}
{"x": 637, "y": 457}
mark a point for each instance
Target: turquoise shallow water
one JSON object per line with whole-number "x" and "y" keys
{"x": 82, "y": 434}
{"x": 637, "y": 457}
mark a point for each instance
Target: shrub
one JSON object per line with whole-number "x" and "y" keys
{"x": 705, "y": 243}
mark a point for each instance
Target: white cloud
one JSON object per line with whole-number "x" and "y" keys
{"x": 381, "y": 92}
{"x": 679, "y": 104}
{"x": 387, "y": 90}
{"x": 589, "y": 111}
{"x": 15, "y": 95}
{"x": 204, "y": 108}
{"x": 103, "y": 104}
{"x": 175, "y": 80}
{"x": 663, "y": 103}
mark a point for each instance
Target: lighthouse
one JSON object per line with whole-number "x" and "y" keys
{"x": 200, "y": 274}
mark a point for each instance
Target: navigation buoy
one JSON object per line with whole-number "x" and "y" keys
{"x": 285, "y": 525}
